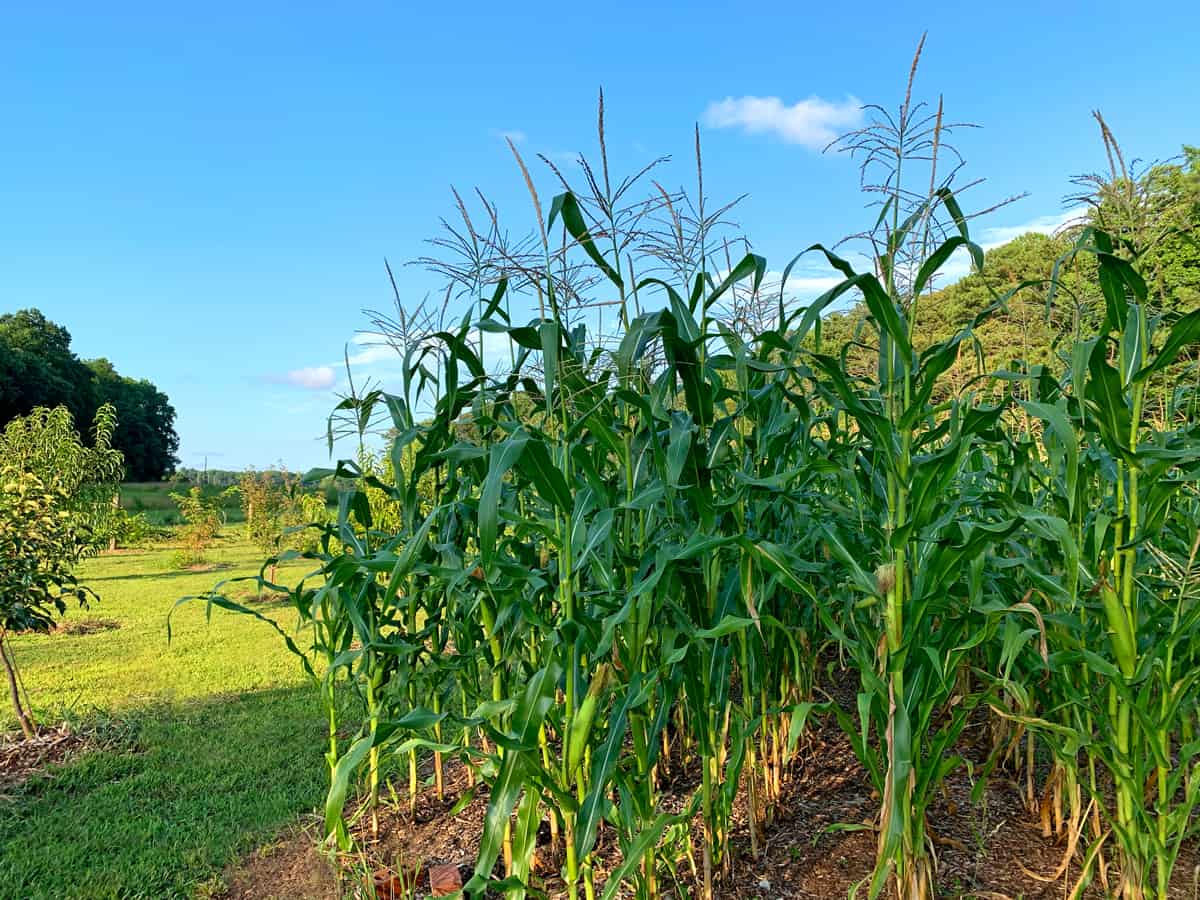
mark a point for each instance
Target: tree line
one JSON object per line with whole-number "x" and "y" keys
{"x": 38, "y": 368}
{"x": 1050, "y": 296}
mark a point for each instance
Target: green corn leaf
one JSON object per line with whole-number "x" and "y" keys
{"x": 938, "y": 258}
{"x": 502, "y": 458}
{"x": 339, "y": 783}
{"x": 524, "y": 841}
{"x": 1066, "y": 441}
{"x": 1107, "y": 402}
{"x": 567, "y": 206}
{"x": 645, "y": 841}
{"x": 1184, "y": 333}
{"x": 604, "y": 762}
{"x": 751, "y": 264}
{"x": 515, "y": 766}
{"x": 784, "y": 564}
{"x": 1133, "y": 344}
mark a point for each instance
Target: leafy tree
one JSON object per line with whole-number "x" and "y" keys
{"x": 145, "y": 422}
{"x": 53, "y": 492}
{"x": 202, "y": 523}
{"x": 38, "y": 368}
{"x": 1173, "y": 264}
{"x": 1155, "y": 217}
{"x": 273, "y": 504}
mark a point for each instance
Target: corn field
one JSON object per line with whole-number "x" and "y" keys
{"x": 641, "y": 546}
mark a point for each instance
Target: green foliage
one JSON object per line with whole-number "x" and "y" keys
{"x": 39, "y": 543}
{"x": 39, "y": 369}
{"x": 610, "y": 559}
{"x": 202, "y": 523}
{"x": 131, "y": 529}
{"x": 153, "y": 500}
{"x": 54, "y": 491}
{"x": 145, "y": 422}
{"x": 1154, "y": 216}
{"x": 279, "y": 512}
{"x": 1158, "y": 213}
{"x": 218, "y": 478}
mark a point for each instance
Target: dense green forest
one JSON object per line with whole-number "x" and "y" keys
{"x": 39, "y": 368}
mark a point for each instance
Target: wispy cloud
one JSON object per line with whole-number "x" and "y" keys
{"x": 810, "y": 284}
{"x": 312, "y": 378}
{"x": 563, "y": 157}
{"x": 812, "y": 123}
{"x": 510, "y": 134}
{"x": 995, "y": 236}
{"x": 368, "y": 349}
{"x": 807, "y": 281}
{"x": 959, "y": 264}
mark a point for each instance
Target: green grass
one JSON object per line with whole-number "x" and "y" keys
{"x": 219, "y": 740}
{"x": 153, "y": 500}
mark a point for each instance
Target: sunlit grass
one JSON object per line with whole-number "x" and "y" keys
{"x": 214, "y": 749}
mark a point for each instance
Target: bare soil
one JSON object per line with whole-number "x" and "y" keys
{"x": 73, "y": 627}
{"x": 819, "y": 845}
{"x": 290, "y": 867}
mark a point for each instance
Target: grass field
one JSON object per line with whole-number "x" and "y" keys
{"x": 206, "y": 747}
{"x": 153, "y": 500}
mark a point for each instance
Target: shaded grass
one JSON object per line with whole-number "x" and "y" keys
{"x": 200, "y": 783}
{"x": 222, "y": 747}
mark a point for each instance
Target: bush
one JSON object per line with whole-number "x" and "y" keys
{"x": 202, "y": 525}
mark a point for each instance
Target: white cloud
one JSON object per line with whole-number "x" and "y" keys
{"x": 804, "y": 285}
{"x": 373, "y": 353}
{"x": 812, "y": 285}
{"x": 313, "y": 378}
{"x": 959, "y": 264}
{"x": 510, "y": 134}
{"x": 812, "y": 123}
{"x": 812, "y": 276}
{"x": 995, "y": 236}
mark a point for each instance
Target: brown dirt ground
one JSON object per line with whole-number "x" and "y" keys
{"x": 985, "y": 851}
{"x": 91, "y": 625}
{"x": 289, "y": 867}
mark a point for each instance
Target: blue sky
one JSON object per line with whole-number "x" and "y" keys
{"x": 206, "y": 195}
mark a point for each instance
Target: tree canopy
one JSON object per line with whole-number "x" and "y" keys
{"x": 38, "y": 368}
{"x": 54, "y": 493}
{"x": 1154, "y": 216}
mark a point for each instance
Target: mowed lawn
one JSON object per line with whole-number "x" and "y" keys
{"x": 214, "y": 740}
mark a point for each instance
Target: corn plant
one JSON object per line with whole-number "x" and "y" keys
{"x": 598, "y": 576}
{"x": 1128, "y": 563}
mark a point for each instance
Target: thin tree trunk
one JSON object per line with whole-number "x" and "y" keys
{"x": 116, "y": 503}
{"x": 26, "y": 720}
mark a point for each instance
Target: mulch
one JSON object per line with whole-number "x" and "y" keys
{"x": 95, "y": 625}
{"x": 22, "y": 759}
{"x": 819, "y": 845}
